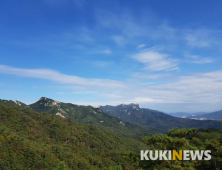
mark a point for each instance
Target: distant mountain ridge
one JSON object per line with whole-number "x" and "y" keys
{"x": 211, "y": 116}
{"x": 88, "y": 115}
{"x": 186, "y": 115}
{"x": 120, "y": 119}
{"x": 156, "y": 119}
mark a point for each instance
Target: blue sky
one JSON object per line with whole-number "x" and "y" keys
{"x": 164, "y": 55}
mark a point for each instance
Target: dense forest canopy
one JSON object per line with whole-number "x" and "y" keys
{"x": 33, "y": 140}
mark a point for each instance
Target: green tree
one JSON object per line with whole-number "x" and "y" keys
{"x": 183, "y": 139}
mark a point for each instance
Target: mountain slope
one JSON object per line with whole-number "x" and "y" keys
{"x": 214, "y": 116}
{"x": 135, "y": 114}
{"x": 16, "y": 104}
{"x": 32, "y": 140}
{"x": 91, "y": 115}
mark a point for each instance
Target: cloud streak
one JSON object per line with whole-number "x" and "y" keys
{"x": 198, "y": 88}
{"x": 202, "y": 38}
{"x": 59, "y": 77}
{"x": 141, "y": 46}
{"x": 198, "y": 60}
{"x": 155, "y": 61}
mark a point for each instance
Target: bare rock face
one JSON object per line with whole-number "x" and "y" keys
{"x": 135, "y": 105}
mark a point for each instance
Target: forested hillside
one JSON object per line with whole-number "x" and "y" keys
{"x": 32, "y": 140}
{"x": 88, "y": 115}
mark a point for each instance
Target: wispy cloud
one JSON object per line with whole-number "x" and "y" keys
{"x": 155, "y": 61}
{"x": 203, "y": 90}
{"x": 106, "y": 51}
{"x": 141, "y": 46}
{"x": 130, "y": 28}
{"x": 199, "y": 88}
{"x": 59, "y": 77}
{"x": 133, "y": 30}
{"x": 198, "y": 60}
{"x": 197, "y": 41}
{"x": 202, "y": 38}
{"x": 101, "y": 51}
{"x": 144, "y": 100}
{"x": 147, "y": 76}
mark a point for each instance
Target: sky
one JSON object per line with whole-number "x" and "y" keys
{"x": 163, "y": 55}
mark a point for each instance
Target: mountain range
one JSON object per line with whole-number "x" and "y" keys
{"x": 119, "y": 119}
{"x": 186, "y": 115}
{"x": 87, "y": 115}
{"x": 210, "y": 116}
{"x": 151, "y": 118}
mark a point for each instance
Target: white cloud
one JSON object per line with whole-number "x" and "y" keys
{"x": 174, "y": 68}
{"x": 141, "y": 46}
{"x": 202, "y": 38}
{"x": 196, "y": 92}
{"x": 199, "y": 88}
{"x": 145, "y": 100}
{"x": 105, "y": 51}
{"x": 144, "y": 76}
{"x": 195, "y": 41}
{"x": 198, "y": 59}
{"x": 203, "y": 89}
{"x": 155, "y": 61}
{"x": 58, "y": 77}
{"x": 131, "y": 30}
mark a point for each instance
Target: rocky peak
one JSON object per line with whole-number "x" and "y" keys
{"x": 17, "y": 102}
{"x": 48, "y": 102}
{"x": 45, "y": 99}
{"x": 42, "y": 98}
{"x": 135, "y": 105}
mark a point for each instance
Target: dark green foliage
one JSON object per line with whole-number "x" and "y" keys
{"x": 32, "y": 140}
{"x": 183, "y": 139}
{"x": 155, "y": 119}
